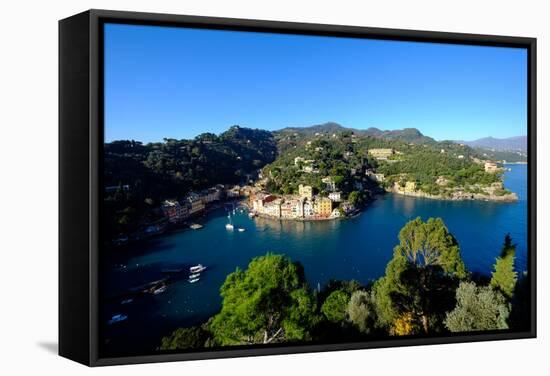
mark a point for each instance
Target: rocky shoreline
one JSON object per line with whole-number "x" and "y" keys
{"x": 459, "y": 196}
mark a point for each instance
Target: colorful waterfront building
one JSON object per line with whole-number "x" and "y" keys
{"x": 196, "y": 203}
{"x": 273, "y": 208}
{"x": 260, "y": 200}
{"x": 323, "y": 206}
{"x": 174, "y": 211}
{"x": 308, "y": 209}
{"x": 288, "y": 209}
{"x": 210, "y": 195}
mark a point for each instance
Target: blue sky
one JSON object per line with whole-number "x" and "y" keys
{"x": 177, "y": 83}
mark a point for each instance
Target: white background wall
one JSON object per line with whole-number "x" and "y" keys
{"x": 28, "y": 185}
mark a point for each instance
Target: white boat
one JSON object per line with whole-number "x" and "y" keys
{"x": 195, "y": 275}
{"x": 241, "y": 229}
{"x": 197, "y": 268}
{"x": 229, "y": 226}
{"x": 193, "y": 280}
{"x": 117, "y": 318}
{"x": 196, "y": 226}
{"x": 159, "y": 290}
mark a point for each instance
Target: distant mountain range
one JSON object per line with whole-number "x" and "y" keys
{"x": 518, "y": 143}
{"x": 412, "y": 135}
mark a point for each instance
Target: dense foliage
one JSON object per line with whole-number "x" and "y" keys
{"x": 335, "y": 306}
{"x": 336, "y": 157}
{"x": 504, "y": 277}
{"x": 420, "y": 278}
{"x": 195, "y": 337}
{"x": 478, "y": 308}
{"x": 361, "y": 311}
{"x": 437, "y": 168}
{"x": 503, "y": 155}
{"x": 269, "y": 302}
{"x": 425, "y": 164}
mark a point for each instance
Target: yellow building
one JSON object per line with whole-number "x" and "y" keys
{"x": 323, "y": 206}
{"x": 305, "y": 191}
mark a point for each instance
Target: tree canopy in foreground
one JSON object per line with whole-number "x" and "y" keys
{"x": 504, "y": 277}
{"x": 267, "y": 303}
{"x": 425, "y": 290}
{"x": 478, "y": 308}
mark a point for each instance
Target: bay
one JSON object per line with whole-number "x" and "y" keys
{"x": 357, "y": 248}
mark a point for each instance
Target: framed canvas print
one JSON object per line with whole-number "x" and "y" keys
{"x": 239, "y": 187}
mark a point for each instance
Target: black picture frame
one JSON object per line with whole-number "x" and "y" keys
{"x": 80, "y": 164}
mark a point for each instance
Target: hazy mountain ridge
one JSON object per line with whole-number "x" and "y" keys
{"x": 517, "y": 143}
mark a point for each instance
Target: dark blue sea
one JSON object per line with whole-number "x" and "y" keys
{"x": 357, "y": 248}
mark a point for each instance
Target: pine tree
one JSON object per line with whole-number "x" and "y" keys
{"x": 422, "y": 276}
{"x": 504, "y": 277}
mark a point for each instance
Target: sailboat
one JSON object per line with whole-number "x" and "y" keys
{"x": 229, "y": 226}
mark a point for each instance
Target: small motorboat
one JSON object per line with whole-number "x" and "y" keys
{"x": 196, "y": 226}
{"x": 241, "y": 229}
{"x": 127, "y": 301}
{"x": 194, "y": 280}
{"x": 117, "y": 318}
{"x": 197, "y": 269}
{"x": 193, "y": 276}
{"x": 159, "y": 290}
